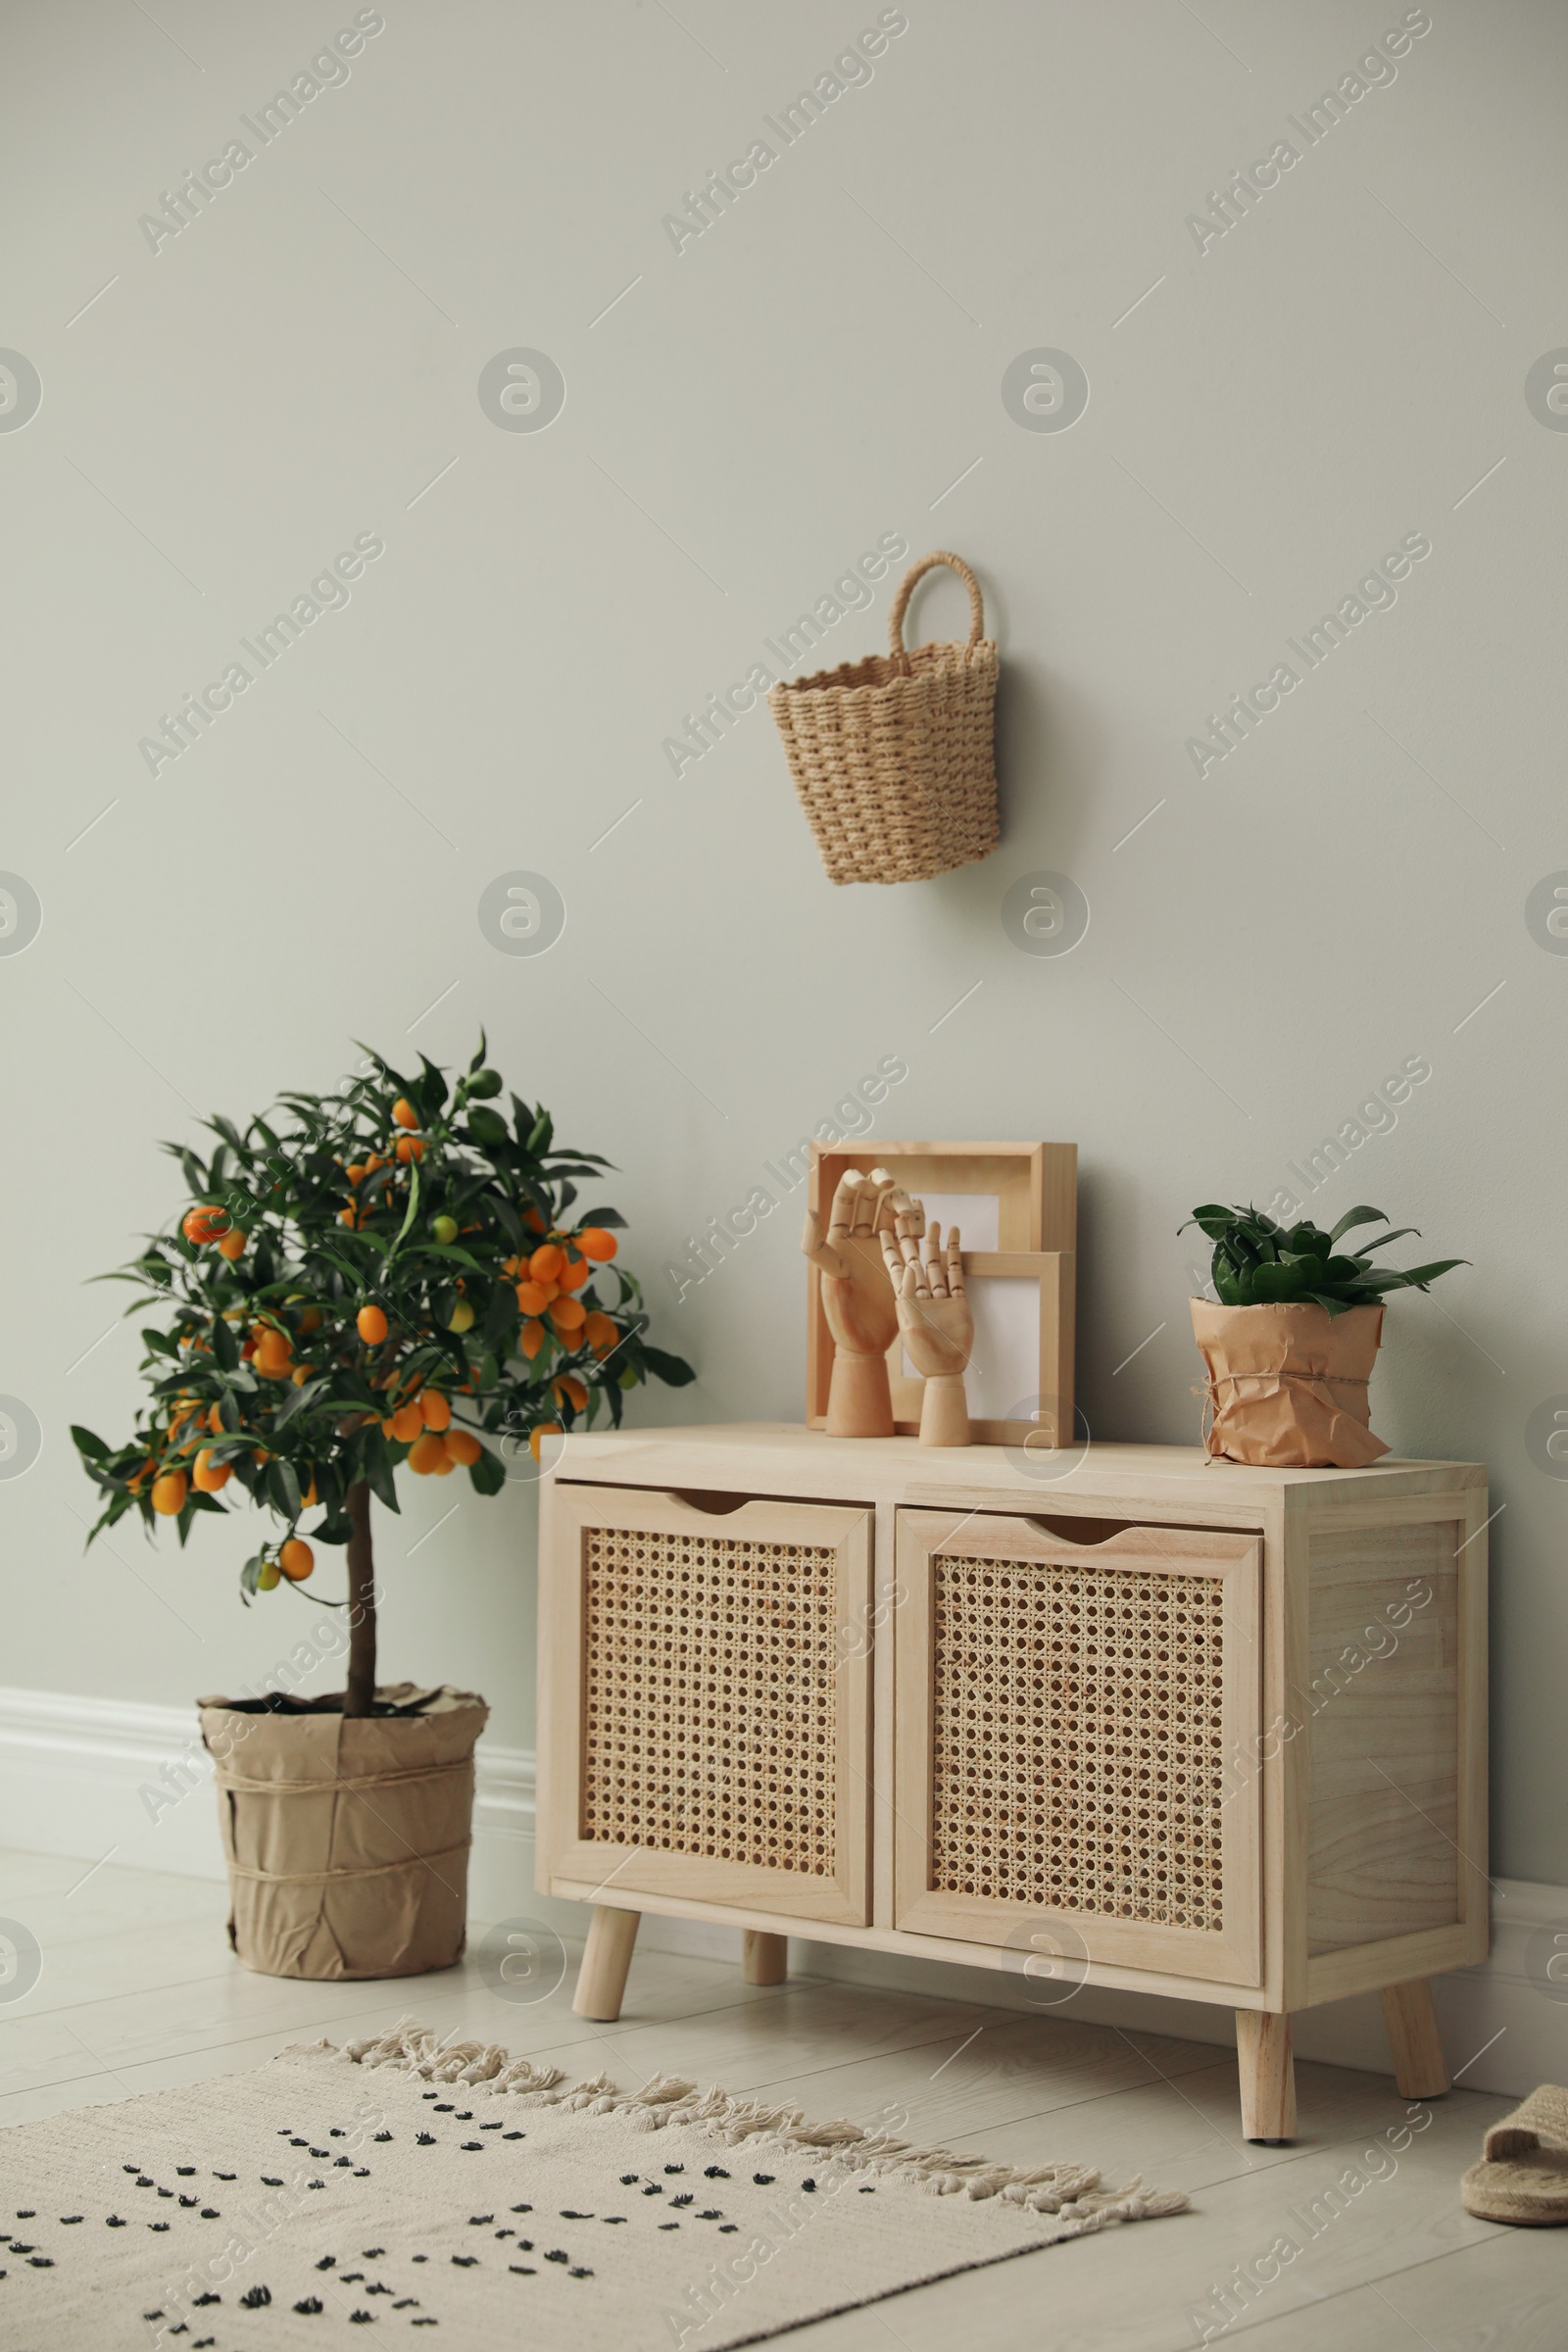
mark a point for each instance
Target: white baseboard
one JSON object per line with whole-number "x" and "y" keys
{"x": 115, "y": 1780}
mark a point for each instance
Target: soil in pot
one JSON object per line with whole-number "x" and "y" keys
{"x": 1288, "y": 1385}
{"x": 347, "y": 1837}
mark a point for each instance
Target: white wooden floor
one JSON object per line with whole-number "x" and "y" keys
{"x": 140, "y": 1991}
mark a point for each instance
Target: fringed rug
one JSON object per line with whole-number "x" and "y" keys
{"x": 409, "y": 2183}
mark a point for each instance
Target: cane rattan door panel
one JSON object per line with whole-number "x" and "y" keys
{"x": 710, "y": 1718}
{"x": 1066, "y": 1713}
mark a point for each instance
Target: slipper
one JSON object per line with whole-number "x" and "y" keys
{"x": 1523, "y": 2177}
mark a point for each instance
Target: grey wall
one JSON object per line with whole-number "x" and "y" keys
{"x": 1271, "y": 411}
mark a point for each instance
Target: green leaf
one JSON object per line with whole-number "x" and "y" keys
{"x": 612, "y": 1222}
{"x": 1418, "y": 1277}
{"x": 413, "y": 1209}
{"x": 283, "y": 1489}
{"x": 377, "y": 1456}
{"x": 88, "y": 1444}
{"x": 454, "y": 1249}
{"x": 1359, "y": 1217}
{"x": 226, "y": 1346}
{"x": 672, "y": 1370}
{"x": 487, "y": 1127}
{"x": 297, "y": 1400}
{"x": 488, "y": 1475}
{"x": 1276, "y": 1286}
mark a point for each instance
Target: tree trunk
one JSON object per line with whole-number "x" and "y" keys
{"x": 359, "y": 1697}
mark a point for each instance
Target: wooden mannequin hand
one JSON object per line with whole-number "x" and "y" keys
{"x": 938, "y": 1328}
{"x": 934, "y": 1314}
{"x": 868, "y": 1211}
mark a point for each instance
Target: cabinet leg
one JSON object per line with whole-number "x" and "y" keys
{"x": 1412, "y": 2024}
{"x": 765, "y": 1958}
{"x": 1268, "y": 2076}
{"x": 606, "y": 1956}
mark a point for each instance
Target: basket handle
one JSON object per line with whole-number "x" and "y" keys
{"x": 907, "y": 586}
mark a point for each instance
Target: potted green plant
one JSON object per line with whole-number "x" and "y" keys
{"x": 1290, "y": 1346}
{"x": 392, "y": 1275}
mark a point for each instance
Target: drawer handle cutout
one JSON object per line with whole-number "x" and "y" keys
{"x": 716, "y": 1504}
{"x": 1082, "y": 1531}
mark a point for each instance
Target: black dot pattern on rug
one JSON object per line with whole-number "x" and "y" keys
{"x": 529, "y": 2208}
{"x": 256, "y": 2298}
{"x": 309, "y": 2305}
{"x": 715, "y": 2172}
{"x": 425, "y": 2139}
{"x": 464, "y": 2262}
{"x": 764, "y": 2179}
{"x": 200, "y": 2302}
{"x": 808, "y": 2185}
{"x": 371, "y": 2253}
{"x": 514, "y": 2135}
{"x": 383, "y": 2136}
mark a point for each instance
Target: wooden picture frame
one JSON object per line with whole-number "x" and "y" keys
{"x": 1035, "y": 1189}
{"x": 1047, "y": 1379}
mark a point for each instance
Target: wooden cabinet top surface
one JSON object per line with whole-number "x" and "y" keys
{"x": 780, "y": 1457}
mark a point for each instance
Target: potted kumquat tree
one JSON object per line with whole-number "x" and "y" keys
{"x": 391, "y": 1275}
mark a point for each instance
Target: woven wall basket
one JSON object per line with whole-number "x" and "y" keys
{"x": 892, "y": 756}
{"x": 347, "y": 1837}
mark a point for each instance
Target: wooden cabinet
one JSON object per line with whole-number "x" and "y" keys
{"x": 705, "y": 1720}
{"x": 1064, "y": 1709}
{"x": 1215, "y": 1732}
